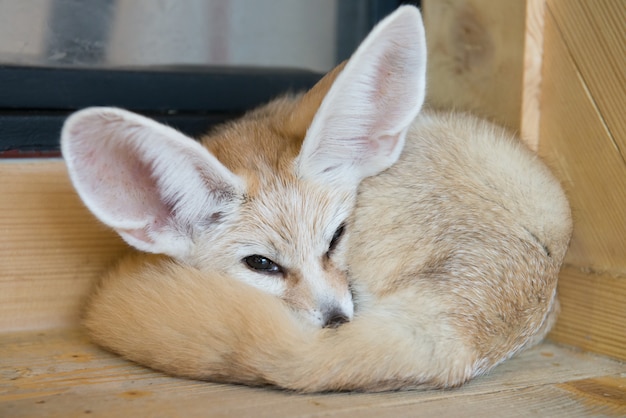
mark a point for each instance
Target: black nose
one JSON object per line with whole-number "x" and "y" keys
{"x": 334, "y": 318}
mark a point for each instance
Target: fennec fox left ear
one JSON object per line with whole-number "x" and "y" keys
{"x": 150, "y": 183}
{"x": 360, "y": 126}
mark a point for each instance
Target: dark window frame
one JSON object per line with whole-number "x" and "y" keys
{"x": 35, "y": 101}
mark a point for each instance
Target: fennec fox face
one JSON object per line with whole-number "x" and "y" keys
{"x": 264, "y": 200}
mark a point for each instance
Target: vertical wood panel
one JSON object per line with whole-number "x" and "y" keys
{"x": 593, "y": 312}
{"x": 476, "y": 56}
{"x": 578, "y": 137}
{"x": 595, "y": 35}
{"x": 575, "y": 139}
{"x": 531, "y": 87}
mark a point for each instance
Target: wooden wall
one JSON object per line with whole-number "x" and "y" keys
{"x": 51, "y": 249}
{"x": 582, "y": 133}
{"x": 476, "y": 56}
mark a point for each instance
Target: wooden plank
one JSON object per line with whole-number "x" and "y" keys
{"x": 59, "y": 373}
{"x": 531, "y": 79}
{"x": 52, "y": 248}
{"x": 593, "y": 312}
{"x": 476, "y": 56}
{"x": 576, "y": 142}
{"x": 595, "y": 35}
{"x": 595, "y": 392}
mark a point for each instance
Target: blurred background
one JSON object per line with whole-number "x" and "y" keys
{"x": 188, "y": 63}
{"x": 306, "y": 34}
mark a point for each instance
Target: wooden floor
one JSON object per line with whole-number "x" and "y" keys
{"x": 60, "y": 373}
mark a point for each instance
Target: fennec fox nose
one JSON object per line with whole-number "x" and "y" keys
{"x": 334, "y": 318}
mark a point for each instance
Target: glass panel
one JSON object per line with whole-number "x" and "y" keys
{"x": 306, "y": 34}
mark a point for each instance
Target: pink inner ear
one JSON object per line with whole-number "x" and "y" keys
{"x": 114, "y": 176}
{"x": 360, "y": 126}
{"x": 149, "y": 182}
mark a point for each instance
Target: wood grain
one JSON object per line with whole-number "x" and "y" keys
{"x": 51, "y": 249}
{"x": 531, "y": 80}
{"x": 575, "y": 140}
{"x": 606, "y": 393}
{"x": 594, "y": 33}
{"x": 578, "y": 142}
{"x": 61, "y": 374}
{"x": 476, "y": 56}
{"x": 593, "y": 312}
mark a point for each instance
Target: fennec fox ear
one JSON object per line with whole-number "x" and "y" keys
{"x": 360, "y": 126}
{"x": 150, "y": 183}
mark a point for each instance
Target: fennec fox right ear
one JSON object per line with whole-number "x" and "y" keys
{"x": 360, "y": 126}
{"x": 150, "y": 183}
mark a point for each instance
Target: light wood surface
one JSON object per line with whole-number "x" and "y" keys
{"x": 60, "y": 374}
{"x": 584, "y": 88}
{"x": 51, "y": 249}
{"x": 593, "y": 312}
{"x": 594, "y": 33}
{"x": 579, "y": 135}
{"x": 476, "y": 56}
{"x": 531, "y": 82}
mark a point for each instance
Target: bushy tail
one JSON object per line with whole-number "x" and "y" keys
{"x": 172, "y": 318}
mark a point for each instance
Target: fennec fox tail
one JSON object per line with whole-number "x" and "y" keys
{"x": 452, "y": 251}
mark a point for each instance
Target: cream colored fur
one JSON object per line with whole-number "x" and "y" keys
{"x": 452, "y": 253}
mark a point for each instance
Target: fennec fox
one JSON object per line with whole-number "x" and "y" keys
{"x": 450, "y": 252}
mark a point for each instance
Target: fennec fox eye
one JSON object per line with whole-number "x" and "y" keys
{"x": 262, "y": 264}
{"x": 336, "y": 238}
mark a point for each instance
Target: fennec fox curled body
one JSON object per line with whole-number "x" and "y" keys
{"x": 343, "y": 239}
